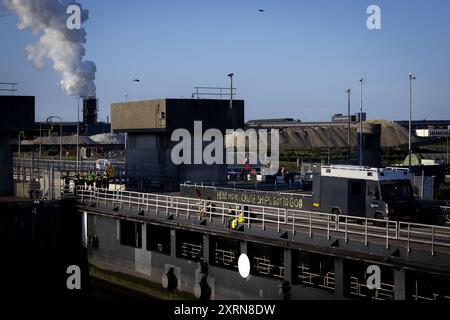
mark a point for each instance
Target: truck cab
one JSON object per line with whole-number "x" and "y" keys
{"x": 380, "y": 193}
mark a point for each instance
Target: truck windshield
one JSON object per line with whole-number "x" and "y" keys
{"x": 396, "y": 191}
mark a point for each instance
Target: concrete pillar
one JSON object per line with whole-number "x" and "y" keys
{"x": 206, "y": 248}
{"x": 339, "y": 277}
{"x": 372, "y": 144}
{"x": 288, "y": 265}
{"x": 173, "y": 243}
{"x": 244, "y": 247}
{"x": 144, "y": 236}
{"x": 399, "y": 284}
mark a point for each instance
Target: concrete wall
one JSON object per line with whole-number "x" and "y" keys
{"x": 17, "y": 113}
{"x": 181, "y": 113}
{"x": 150, "y": 154}
{"x": 152, "y": 266}
{"x": 137, "y": 115}
{"x": 178, "y": 113}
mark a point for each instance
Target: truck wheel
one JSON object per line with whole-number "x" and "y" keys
{"x": 378, "y": 216}
{"x": 336, "y": 212}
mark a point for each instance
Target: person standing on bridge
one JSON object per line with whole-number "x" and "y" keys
{"x": 90, "y": 181}
{"x": 105, "y": 181}
{"x": 66, "y": 182}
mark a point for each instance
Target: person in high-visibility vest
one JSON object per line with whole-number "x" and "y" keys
{"x": 240, "y": 217}
{"x": 105, "y": 181}
{"x": 98, "y": 180}
{"x": 90, "y": 181}
{"x": 111, "y": 171}
{"x": 234, "y": 223}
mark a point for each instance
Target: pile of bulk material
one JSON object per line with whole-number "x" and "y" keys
{"x": 392, "y": 134}
{"x": 109, "y": 138}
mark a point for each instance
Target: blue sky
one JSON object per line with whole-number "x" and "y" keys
{"x": 294, "y": 60}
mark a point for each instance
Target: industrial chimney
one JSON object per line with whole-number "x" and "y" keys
{"x": 90, "y": 111}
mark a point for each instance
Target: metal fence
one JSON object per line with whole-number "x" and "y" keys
{"x": 70, "y": 166}
{"x": 63, "y": 165}
{"x": 350, "y": 228}
{"x": 35, "y": 183}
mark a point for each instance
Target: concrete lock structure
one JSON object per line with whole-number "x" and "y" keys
{"x": 371, "y": 144}
{"x": 149, "y": 126}
{"x": 17, "y": 114}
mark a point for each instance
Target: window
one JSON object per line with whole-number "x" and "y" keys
{"x": 373, "y": 191}
{"x": 224, "y": 252}
{"x": 158, "y": 239}
{"x": 397, "y": 191}
{"x": 315, "y": 270}
{"x": 131, "y": 234}
{"x": 189, "y": 245}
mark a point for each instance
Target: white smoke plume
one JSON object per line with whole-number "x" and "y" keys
{"x": 61, "y": 45}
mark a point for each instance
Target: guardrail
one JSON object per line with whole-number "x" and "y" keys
{"x": 47, "y": 164}
{"x": 281, "y": 220}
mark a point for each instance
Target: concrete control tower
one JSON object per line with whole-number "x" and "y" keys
{"x": 149, "y": 126}
{"x": 17, "y": 114}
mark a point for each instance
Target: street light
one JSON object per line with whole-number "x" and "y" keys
{"x": 78, "y": 132}
{"x": 360, "y": 124}
{"x": 40, "y": 141}
{"x": 49, "y": 119}
{"x": 126, "y": 93}
{"x": 447, "y": 133}
{"x": 20, "y": 137}
{"x": 348, "y": 91}
{"x": 231, "y": 89}
{"x": 411, "y": 78}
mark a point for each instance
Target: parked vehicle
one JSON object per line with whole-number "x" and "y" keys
{"x": 100, "y": 164}
{"x": 380, "y": 193}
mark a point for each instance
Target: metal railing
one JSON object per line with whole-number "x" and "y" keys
{"x": 359, "y": 288}
{"x": 34, "y": 183}
{"x": 47, "y": 164}
{"x": 349, "y": 228}
{"x": 307, "y": 277}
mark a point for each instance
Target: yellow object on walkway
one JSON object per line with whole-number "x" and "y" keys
{"x": 241, "y": 218}
{"x": 234, "y": 224}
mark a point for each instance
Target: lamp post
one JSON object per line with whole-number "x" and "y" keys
{"x": 448, "y": 133}
{"x": 360, "y": 124}
{"x": 40, "y": 141}
{"x": 411, "y": 78}
{"x": 126, "y": 93}
{"x": 231, "y": 89}
{"x": 78, "y": 132}
{"x": 20, "y": 136}
{"x": 348, "y": 91}
{"x": 49, "y": 119}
